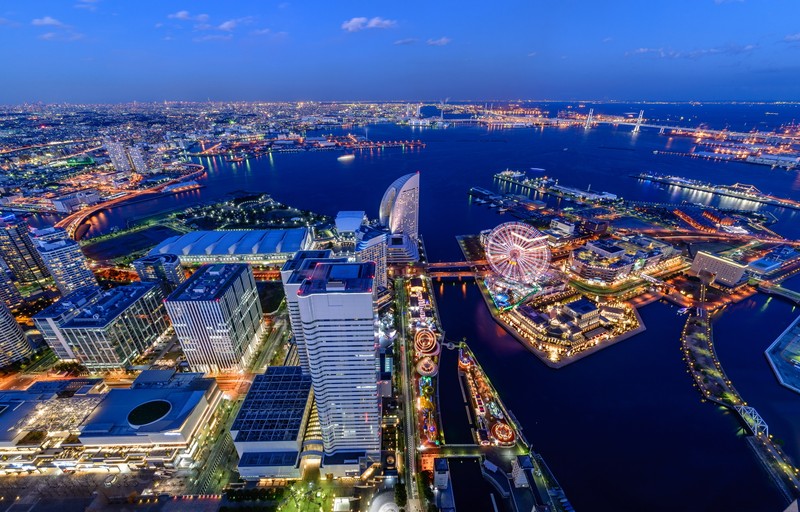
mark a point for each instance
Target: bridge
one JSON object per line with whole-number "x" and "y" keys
{"x": 779, "y": 291}
{"x": 753, "y": 420}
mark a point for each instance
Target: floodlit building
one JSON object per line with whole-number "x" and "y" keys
{"x": 78, "y": 425}
{"x": 118, "y": 156}
{"x": 14, "y": 345}
{"x": 293, "y": 273}
{"x": 118, "y": 327}
{"x": 348, "y": 222}
{"x": 611, "y": 260}
{"x": 255, "y": 246}
{"x": 374, "y": 248}
{"x": 164, "y": 269}
{"x": 9, "y": 295}
{"x": 268, "y": 431}
{"x": 217, "y": 317}
{"x": 399, "y": 213}
{"x": 338, "y": 320}
{"x": 725, "y": 271}
{"x": 50, "y": 320}
{"x": 67, "y": 264}
{"x": 74, "y": 201}
{"x": 18, "y": 250}
{"x": 51, "y": 234}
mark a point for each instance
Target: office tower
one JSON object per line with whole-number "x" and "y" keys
{"x": 118, "y": 156}
{"x": 372, "y": 247}
{"x": 50, "y": 320}
{"x": 117, "y": 328}
{"x": 164, "y": 269}
{"x": 18, "y": 250}
{"x": 217, "y": 316}
{"x": 399, "y": 212}
{"x": 13, "y": 343}
{"x": 293, "y": 273}
{"x": 9, "y": 294}
{"x": 67, "y": 264}
{"x": 337, "y": 315}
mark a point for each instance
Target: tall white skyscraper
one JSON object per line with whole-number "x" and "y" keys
{"x": 399, "y": 212}
{"x": 337, "y": 315}
{"x": 164, "y": 269}
{"x": 217, "y": 316}
{"x": 13, "y": 343}
{"x": 293, "y": 273}
{"x": 373, "y": 247}
{"x": 67, "y": 264}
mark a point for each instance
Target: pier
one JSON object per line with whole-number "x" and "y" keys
{"x": 698, "y": 348}
{"x": 737, "y": 190}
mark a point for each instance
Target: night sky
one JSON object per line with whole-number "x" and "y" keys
{"x": 117, "y": 51}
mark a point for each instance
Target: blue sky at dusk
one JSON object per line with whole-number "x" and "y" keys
{"x": 110, "y": 51}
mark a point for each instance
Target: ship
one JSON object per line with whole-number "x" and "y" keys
{"x": 346, "y": 158}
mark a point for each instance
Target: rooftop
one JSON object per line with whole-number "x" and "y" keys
{"x": 77, "y": 299}
{"x": 274, "y": 408}
{"x": 349, "y": 221}
{"x": 582, "y": 306}
{"x": 298, "y": 259}
{"x": 236, "y": 242}
{"x": 110, "y": 305}
{"x": 339, "y": 278}
{"x": 209, "y": 282}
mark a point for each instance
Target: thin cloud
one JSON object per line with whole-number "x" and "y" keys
{"x": 213, "y": 37}
{"x": 230, "y": 25}
{"x": 607, "y": 39}
{"x": 187, "y": 16}
{"x": 406, "y": 41}
{"x": 792, "y": 38}
{"x": 442, "y": 41}
{"x": 668, "y": 53}
{"x": 261, "y": 32}
{"x": 47, "y": 21}
{"x": 89, "y": 5}
{"x": 532, "y": 54}
{"x": 361, "y": 23}
{"x": 61, "y": 36}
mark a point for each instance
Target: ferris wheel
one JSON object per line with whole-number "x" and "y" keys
{"x": 517, "y": 252}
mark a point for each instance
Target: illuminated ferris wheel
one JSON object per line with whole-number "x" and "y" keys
{"x": 517, "y": 252}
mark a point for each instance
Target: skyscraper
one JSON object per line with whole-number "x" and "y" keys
{"x": 399, "y": 213}
{"x": 117, "y": 328}
{"x": 293, "y": 273}
{"x": 217, "y": 316}
{"x": 50, "y": 320}
{"x": 9, "y": 294}
{"x": 13, "y": 343}
{"x": 337, "y": 315}
{"x": 372, "y": 247}
{"x": 67, "y": 264}
{"x": 119, "y": 159}
{"x": 18, "y": 250}
{"x": 164, "y": 269}
{"x": 136, "y": 160}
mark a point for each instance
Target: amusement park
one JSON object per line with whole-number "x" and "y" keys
{"x": 535, "y": 303}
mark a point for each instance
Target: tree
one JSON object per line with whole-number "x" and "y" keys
{"x": 400, "y": 496}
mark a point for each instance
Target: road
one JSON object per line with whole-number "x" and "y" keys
{"x": 408, "y": 403}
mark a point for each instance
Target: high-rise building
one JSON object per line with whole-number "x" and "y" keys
{"x": 136, "y": 160}
{"x": 164, "y": 269}
{"x": 18, "y": 250}
{"x": 217, "y": 316}
{"x": 372, "y": 247}
{"x": 13, "y": 343}
{"x": 399, "y": 212}
{"x": 50, "y": 320}
{"x": 293, "y": 273}
{"x": 67, "y": 264}
{"x": 50, "y": 234}
{"x": 400, "y": 206}
{"x": 117, "y": 328}
{"x": 9, "y": 294}
{"x": 337, "y": 314}
{"x": 118, "y": 156}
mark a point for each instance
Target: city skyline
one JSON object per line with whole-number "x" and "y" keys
{"x": 98, "y": 51}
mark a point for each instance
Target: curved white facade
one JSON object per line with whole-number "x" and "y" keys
{"x": 400, "y": 206}
{"x": 13, "y": 343}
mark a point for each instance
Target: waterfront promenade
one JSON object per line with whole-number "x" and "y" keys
{"x": 697, "y": 344}
{"x": 784, "y": 356}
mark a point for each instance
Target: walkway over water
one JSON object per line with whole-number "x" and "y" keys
{"x": 784, "y": 356}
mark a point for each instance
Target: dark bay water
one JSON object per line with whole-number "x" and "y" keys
{"x": 623, "y": 429}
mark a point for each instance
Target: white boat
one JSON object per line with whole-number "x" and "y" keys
{"x": 346, "y": 158}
